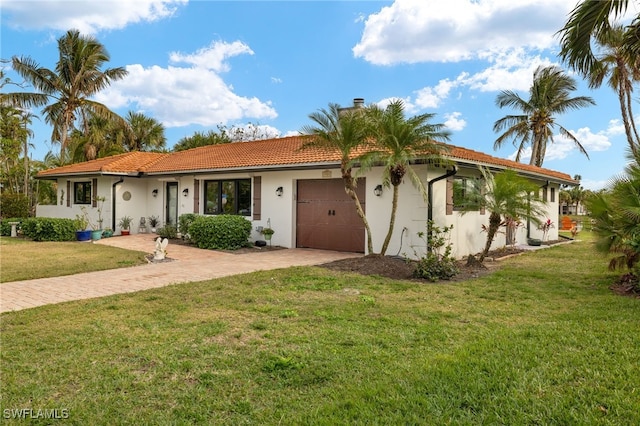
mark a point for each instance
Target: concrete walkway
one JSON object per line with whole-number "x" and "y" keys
{"x": 189, "y": 264}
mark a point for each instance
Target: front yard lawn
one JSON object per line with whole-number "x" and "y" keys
{"x": 23, "y": 259}
{"x": 540, "y": 341}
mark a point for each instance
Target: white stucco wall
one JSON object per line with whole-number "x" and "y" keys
{"x": 411, "y": 217}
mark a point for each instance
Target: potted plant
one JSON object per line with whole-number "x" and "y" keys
{"x": 125, "y": 224}
{"x": 82, "y": 223}
{"x": 153, "y": 222}
{"x": 108, "y": 232}
{"x": 268, "y": 233}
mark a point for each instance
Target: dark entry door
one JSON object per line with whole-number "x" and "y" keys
{"x": 172, "y": 204}
{"x": 327, "y": 218}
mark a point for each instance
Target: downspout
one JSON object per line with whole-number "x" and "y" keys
{"x": 430, "y": 187}
{"x": 430, "y": 193}
{"x": 113, "y": 203}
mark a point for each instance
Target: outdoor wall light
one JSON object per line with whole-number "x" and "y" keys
{"x": 154, "y": 193}
{"x": 279, "y": 191}
{"x": 378, "y": 190}
{"x": 185, "y": 192}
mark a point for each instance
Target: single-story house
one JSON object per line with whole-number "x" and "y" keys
{"x": 299, "y": 192}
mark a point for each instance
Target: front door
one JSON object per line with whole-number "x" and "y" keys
{"x": 172, "y": 204}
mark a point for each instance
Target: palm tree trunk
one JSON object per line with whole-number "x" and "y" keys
{"x": 392, "y": 221}
{"x": 632, "y": 122}
{"x": 494, "y": 225}
{"x": 350, "y": 190}
{"x": 625, "y": 118}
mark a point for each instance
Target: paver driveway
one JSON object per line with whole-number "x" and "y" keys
{"x": 189, "y": 264}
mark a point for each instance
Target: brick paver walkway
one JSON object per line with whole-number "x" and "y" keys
{"x": 189, "y": 264}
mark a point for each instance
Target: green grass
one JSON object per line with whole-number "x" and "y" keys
{"x": 25, "y": 260}
{"x": 541, "y": 341}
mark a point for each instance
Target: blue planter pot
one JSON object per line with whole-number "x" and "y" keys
{"x": 83, "y": 235}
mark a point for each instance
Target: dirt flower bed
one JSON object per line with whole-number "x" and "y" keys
{"x": 402, "y": 269}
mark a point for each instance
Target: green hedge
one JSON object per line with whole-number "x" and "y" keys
{"x": 223, "y": 232}
{"x": 185, "y": 221}
{"x": 5, "y": 228}
{"x": 49, "y": 229}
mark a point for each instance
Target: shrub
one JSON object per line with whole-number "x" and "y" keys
{"x": 5, "y": 228}
{"x": 185, "y": 221}
{"x": 223, "y": 232}
{"x": 49, "y": 229}
{"x": 14, "y": 205}
{"x": 437, "y": 264}
{"x": 167, "y": 231}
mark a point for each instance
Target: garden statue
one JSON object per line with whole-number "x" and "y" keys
{"x": 161, "y": 249}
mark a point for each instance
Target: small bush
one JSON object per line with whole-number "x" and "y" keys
{"x": 223, "y": 232}
{"x": 437, "y": 264}
{"x": 185, "y": 221}
{"x": 5, "y": 228}
{"x": 14, "y": 205}
{"x": 167, "y": 231}
{"x": 49, "y": 229}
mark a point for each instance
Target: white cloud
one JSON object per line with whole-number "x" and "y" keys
{"x": 454, "y": 121}
{"x": 409, "y": 107}
{"x": 509, "y": 70}
{"x": 86, "y": 16}
{"x": 413, "y": 31}
{"x": 212, "y": 57}
{"x": 430, "y": 97}
{"x": 562, "y": 147}
{"x": 180, "y": 96}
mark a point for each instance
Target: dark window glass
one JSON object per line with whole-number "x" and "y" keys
{"x": 462, "y": 189}
{"x": 228, "y": 197}
{"x": 82, "y": 192}
{"x": 212, "y": 197}
{"x": 553, "y": 195}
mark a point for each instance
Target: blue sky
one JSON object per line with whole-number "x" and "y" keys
{"x": 196, "y": 64}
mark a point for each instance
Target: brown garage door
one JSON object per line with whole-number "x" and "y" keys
{"x": 327, "y": 218}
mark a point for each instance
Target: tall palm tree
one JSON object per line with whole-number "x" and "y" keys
{"x": 400, "y": 141}
{"x": 65, "y": 92}
{"x": 506, "y": 195}
{"x": 143, "y": 133}
{"x": 344, "y": 131}
{"x": 614, "y": 63}
{"x": 549, "y": 96}
{"x": 587, "y": 21}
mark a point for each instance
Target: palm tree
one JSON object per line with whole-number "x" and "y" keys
{"x": 549, "y": 95}
{"x": 621, "y": 70}
{"x": 66, "y": 92}
{"x": 143, "y": 133}
{"x": 506, "y": 195}
{"x": 616, "y": 213}
{"x": 587, "y": 21}
{"x": 343, "y": 131}
{"x": 400, "y": 142}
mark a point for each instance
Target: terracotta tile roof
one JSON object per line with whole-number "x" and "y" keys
{"x": 261, "y": 153}
{"x": 281, "y": 152}
{"x": 128, "y": 163}
{"x": 469, "y": 155}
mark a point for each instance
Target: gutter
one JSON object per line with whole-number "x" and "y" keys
{"x": 113, "y": 203}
